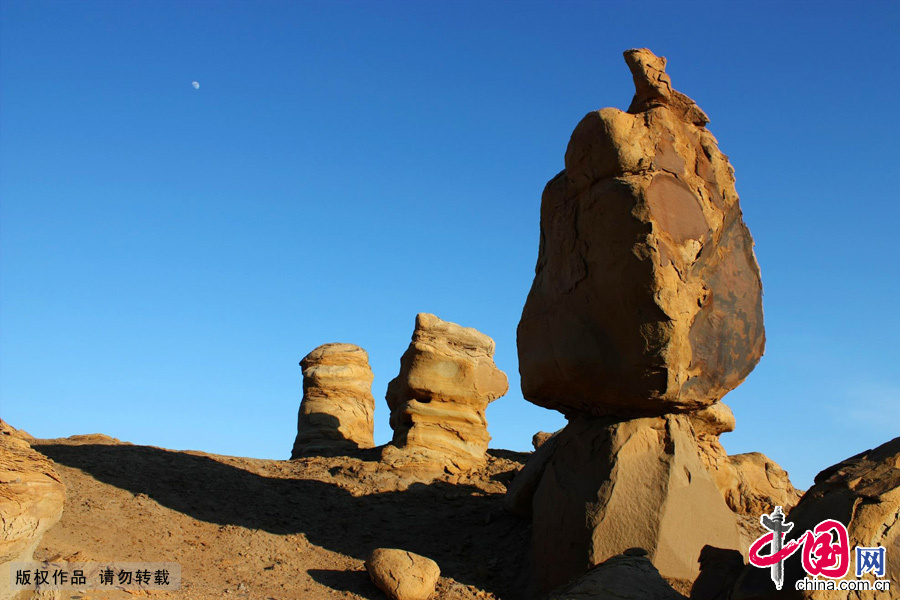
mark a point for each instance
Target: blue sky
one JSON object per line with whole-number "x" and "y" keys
{"x": 168, "y": 255}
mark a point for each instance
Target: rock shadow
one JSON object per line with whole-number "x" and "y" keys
{"x": 460, "y": 526}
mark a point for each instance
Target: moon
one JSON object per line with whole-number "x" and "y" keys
{"x": 196, "y": 85}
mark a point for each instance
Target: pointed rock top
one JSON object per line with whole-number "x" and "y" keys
{"x": 653, "y": 87}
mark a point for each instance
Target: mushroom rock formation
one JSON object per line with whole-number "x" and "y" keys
{"x": 336, "y": 413}
{"x": 863, "y": 493}
{"x": 647, "y": 296}
{"x": 447, "y": 378}
{"x": 645, "y": 310}
{"x": 31, "y": 501}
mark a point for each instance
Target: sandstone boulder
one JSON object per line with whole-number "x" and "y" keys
{"x": 863, "y": 493}
{"x": 647, "y": 296}
{"x": 31, "y": 501}
{"x": 447, "y": 378}
{"x": 402, "y": 575}
{"x": 336, "y": 413}
{"x": 623, "y": 577}
{"x": 610, "y": 485}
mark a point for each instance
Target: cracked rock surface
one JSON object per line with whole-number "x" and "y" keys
{"x": 647, "y": 296}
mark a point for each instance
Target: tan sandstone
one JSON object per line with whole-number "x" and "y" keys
{"x": 438, "y": 401}
{"x": 751, "y": 483}
{"x": 402, "y": 575}
{"x": 31, "y": 501}
{"x": 610, "y": 485}
{"x": 647, "y": 297}
{"x": 336, "y": 413}
{"x": 863, "y": 493}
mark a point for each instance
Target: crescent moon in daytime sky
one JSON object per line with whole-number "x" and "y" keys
{"x": 196, "y": 85}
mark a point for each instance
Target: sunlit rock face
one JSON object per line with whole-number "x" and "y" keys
{"x": 31, "y": 501}
{"x": 336, "y": 413}
{"x": 447, "y": 378}
{"x": 647, "y": 297}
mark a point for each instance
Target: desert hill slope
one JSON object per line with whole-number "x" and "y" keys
{"x": 259, "y": 529}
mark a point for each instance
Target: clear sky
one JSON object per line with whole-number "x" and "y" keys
{"x": 169, "y": 254}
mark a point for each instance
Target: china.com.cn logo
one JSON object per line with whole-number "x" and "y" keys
{"x": 825, "y": 552}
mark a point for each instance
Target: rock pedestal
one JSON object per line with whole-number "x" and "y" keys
{"x": 447, "y": 378}
{"x": 336, "y": 413}
{"x": 611, "y": 485}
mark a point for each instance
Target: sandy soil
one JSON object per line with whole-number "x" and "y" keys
{"x": 266, "y": 529}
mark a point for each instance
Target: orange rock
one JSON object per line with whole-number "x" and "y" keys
{"x": 647, "y": 296}
{"x": 337, "y": 409}
{"x": 402, "y": 575}
{"x": 447, "y": 378}
{"x": 31, "y": 501}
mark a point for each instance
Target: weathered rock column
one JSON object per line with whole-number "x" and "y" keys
{"x": 447, "y": 378}
{"x": 336, "y": 413}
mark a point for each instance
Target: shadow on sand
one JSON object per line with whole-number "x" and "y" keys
{"x": 459, "y": 526}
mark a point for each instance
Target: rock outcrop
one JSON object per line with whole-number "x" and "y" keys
{"x": 645, "y": 310}
{"x": 863, "y": 493}
{"x": 336, "y": 413}
{"x": 614, "y": 484}
{"x": 447, "y": 378}
{"x": 402, "y": 575}
{"x": 31, "y": 501}
{"x": 751, "y": 483}
{"x": 627, "y": 576}
{"x": 647, "y": 296}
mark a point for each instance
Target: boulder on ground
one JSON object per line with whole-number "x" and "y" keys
{"x": 336, "y": 413}
{"x": 610, "y": 485}
{"x": 31, "y": 501}
{"x": 647, "y": 296}
{"x": 627, "y": 576}
{"x": 402, "y": 575}
{"x": 447, "y": 378}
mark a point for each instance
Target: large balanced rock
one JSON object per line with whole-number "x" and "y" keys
{"x": 336, "y": 412}
{"x": 402, "y": 575}
{"x": 611, "y": 484}
{"x": 447, "y": 378}
{"x": 647, "y": 296}
{"x": 863, "y": 493}
{"x": 31, "y": 501}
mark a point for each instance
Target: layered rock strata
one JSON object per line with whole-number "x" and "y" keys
{"x": 31, "y": 501}
{"x": 336, "y": 413}
{"x": 438, "y": 401}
